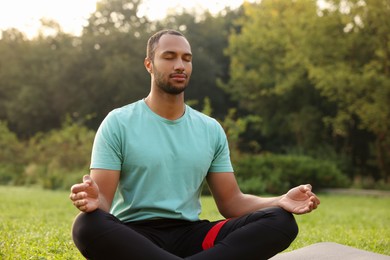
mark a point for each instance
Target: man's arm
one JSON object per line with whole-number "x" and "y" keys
{"x": 231, "y": 202}
{"x": 96, "y": 191}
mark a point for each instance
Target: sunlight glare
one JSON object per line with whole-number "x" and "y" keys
{"x": 72, "y": 15}
{"x": 25, "y": 15}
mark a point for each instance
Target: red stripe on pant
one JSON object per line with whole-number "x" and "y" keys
{"x": 208, "y": 241}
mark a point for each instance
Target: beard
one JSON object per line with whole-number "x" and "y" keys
{"x": 168, "y": 88}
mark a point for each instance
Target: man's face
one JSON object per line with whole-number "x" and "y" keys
{"x": 171, "y": 67}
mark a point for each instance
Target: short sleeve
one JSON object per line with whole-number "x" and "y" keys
{"x": 221, "y": 161}
{"x": 106, "y": 150}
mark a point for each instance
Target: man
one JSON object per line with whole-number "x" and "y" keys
{"x": 149, "y": 160}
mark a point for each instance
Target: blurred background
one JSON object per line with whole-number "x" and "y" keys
{"x": 302, "y": 88}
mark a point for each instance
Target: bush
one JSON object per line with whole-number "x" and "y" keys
{"x": 276, "y": 174}
{"x": 66, "y": 148}
{"x": 11, "y": 174}
{"x": 53, "y": 160}
{"x": 11, "y": 156}
{"x": 10, "y": 146}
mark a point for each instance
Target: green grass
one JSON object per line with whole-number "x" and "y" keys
{"x": 35, "y": 223}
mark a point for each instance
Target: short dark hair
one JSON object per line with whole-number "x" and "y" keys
{"x": 155, "y": 38}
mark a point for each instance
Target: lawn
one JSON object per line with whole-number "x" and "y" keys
{"x": 35, "y": 223}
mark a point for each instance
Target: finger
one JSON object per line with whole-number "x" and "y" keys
{"x": 313, "y": 206}
{"x": 305, "y": 188}
{"x": 78, "y": 196}
{"x": 87, "y": 179}
{"x": 80, "y": 203}
{"x": 302, "y": 188}
{"x": 304, "y": 210}
{"x": 315, "y": 199}
{"x": 308, "y": 187}
{"x": 76, "y": 188}
{"x": 83, "y": 208}
{"x": 315, "y": 203}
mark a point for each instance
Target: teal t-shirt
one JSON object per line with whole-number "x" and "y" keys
{"x": 163, "y": 163}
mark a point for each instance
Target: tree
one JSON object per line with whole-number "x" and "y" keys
{"x": 312, "y": 71}
{"x": 352, "y": 68}
{"x": 269, "y": 77}
{"x": 13, "y": 48}
{"x": 30, "y": 79}
{"x": 108, "y": 71}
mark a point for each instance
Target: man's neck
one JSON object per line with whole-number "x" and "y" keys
{"x": 169, "y": 106}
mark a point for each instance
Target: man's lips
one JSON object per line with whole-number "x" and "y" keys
{"x": 178, "y": 76}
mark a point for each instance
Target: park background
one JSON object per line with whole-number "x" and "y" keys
{"x": 302, "y": 89}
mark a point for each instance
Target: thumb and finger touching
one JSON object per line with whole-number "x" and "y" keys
{"x": 84, "y": 195}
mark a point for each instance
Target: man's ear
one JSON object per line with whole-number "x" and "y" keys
{"x": 148, "y": 65}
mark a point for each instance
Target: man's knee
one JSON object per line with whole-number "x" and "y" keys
{"x": 81, "y": 225}
{"x": 87, "y": 226}
{"x": 81, "y": 229}
{"x": 282, "y": 222}
{"x": 286, "y": 222}
{"x": 281, "y": 225}
{"x": 259, "y": 235}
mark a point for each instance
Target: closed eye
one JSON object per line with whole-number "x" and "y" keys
{"x": 187, "y": 58}
{"x": 168, "y": 57}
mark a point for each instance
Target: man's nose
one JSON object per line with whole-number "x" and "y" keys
{"x": 179, "y": 65}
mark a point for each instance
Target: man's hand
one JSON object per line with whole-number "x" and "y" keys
{"x": 299, "y": 200}
{"x": 85, "y": 195}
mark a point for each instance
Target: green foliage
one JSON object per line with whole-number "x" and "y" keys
{"x": 316, "y": 77}
{"x": 11, "y": 174}
{"x": 54, "y": 160}
{"x": 207, "y": 109}
{"x": 320, "y": 76}
{"x": 46, "y": 78}
{"x": 235, "y": 126}
{"x": 69, "y": 146}
{"x": 276, "y": 174}
{"x": 352, "y": 69}
{"x": 11, "y": 156}
{"x": 59, "y": 158}
{"x": 9, "y": 143}
{"x": 269, "y": 78}
{"x": 32, "y": 81}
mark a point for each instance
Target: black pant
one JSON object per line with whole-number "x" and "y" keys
{"x": 259, "y": 235}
